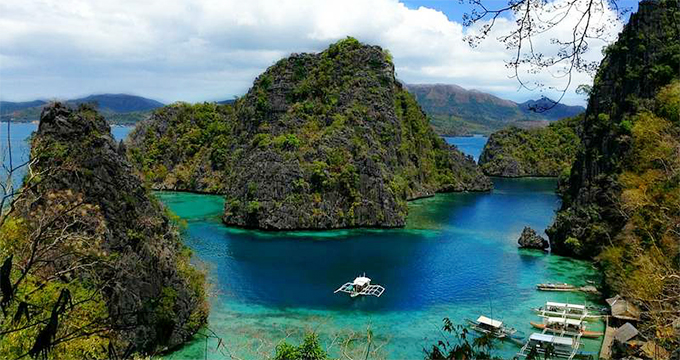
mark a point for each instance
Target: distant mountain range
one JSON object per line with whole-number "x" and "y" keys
{"x": 550, "y": 110}
{"x": 454, "y": 110}
{"x": 116, "y": 108}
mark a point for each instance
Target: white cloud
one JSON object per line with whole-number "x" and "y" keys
{"x": 213, "y": 49}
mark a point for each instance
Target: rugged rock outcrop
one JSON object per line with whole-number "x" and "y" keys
{"x": 154, "y": 297}
{"x": 328, "y": 140}
{"x": 531, "y": 240}
{"x": 544, "y": 152}
{"x": 620, "y": 203}
{"x": 644, "y": 59}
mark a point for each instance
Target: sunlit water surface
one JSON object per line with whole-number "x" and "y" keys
{"x": 456, "y": 258}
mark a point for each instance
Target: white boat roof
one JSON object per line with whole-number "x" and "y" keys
{"x": 563, "y": 305}
{"x": 561, "y": 320}
{"x": 361, "y": 281}
{"x": 490, "y": 322}
{"x": 545, "y": 338}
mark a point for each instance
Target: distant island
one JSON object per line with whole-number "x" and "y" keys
{"x": 328, "y": 140}
{"x": 543, "y": 152}
{"x": 455, "y": 111}
{"x": 116, "y": 108}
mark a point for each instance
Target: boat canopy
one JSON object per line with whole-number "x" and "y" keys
{"x": 557, "y": 340}
{"x": 565, "y": 306}
{"x": 564, "y": 321}
{"x": 361, "y": 281}
{"x": 491, "y": 322}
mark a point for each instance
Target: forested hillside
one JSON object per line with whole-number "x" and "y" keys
{"x": 548, "y": 151}
{"x": 621, "y": 203}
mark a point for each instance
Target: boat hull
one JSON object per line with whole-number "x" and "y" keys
{"x": 584, "y": 333}
{"x": 545, "y": 313}
{"x": 505, "y": 333}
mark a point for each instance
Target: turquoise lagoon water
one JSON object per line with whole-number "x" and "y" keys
{"x": 456, "y": 258}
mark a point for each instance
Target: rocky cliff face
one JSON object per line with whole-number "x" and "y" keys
{"x": 155, "y": 298}
{"x": 545, "y": 152}
{"x": 644, "y": 59}
{"x": 621, "y": 204}
{"x": 531, "y": 240}
{"x": 328, "y": 140}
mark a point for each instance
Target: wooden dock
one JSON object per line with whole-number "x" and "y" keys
{"x": 606, "y": 350}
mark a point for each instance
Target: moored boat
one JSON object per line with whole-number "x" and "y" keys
{"x": 562, "y": 310}
{"x": 361, "y": 286}
{"x": 556, "y": 287}
{"x": 487, "y": 325}
{"x": 562, "y": 347}
{"x": 565, "y": 327}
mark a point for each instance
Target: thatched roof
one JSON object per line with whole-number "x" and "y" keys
{"x": 623, "y": 309}
{"x": 625, "y": 333}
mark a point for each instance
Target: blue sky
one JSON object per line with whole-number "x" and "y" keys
{"x": 454, "y": 9}
{"x": 206, "y": 50}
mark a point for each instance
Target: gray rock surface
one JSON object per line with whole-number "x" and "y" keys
{"x": 144, "y": 263}
{"x": 531, "y": 240}
{"x": 321, "y": 141}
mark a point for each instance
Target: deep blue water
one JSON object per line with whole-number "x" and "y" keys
{"x": 456, "y": 258}
{"x": 471, "y": 145}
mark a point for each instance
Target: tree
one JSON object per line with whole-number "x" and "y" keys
{"x": 42, "y": 306}
{"x": 460, "y": 348}
{"x": 536, "y": 17}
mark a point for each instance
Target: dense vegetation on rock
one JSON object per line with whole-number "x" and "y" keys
{"x": 455, "y": 111}
{"x": 119, "y": 109}
{"x": 93, "y": 266}
{"x": 326, "y": 140}
{"x": 515, "y": 152}
{"x": 621, "y": 202}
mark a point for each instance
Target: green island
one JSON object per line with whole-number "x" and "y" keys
{"x": 328, "y": 140}
{"x": 545, "y": 152}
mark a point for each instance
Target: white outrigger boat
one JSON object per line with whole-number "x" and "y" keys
{"x": 495, "y": 328}
{"x": 571, "y": 311}
{"x": 562, "y": 326}
{"x": 487, "y": 325}
{"x": 361, "y": 286}
{"x": 563, "y": 347}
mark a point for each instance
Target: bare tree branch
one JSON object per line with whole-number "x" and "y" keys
{"x": 534, "y": 18}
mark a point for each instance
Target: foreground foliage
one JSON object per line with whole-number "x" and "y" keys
{"x": 310, "y": 349}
